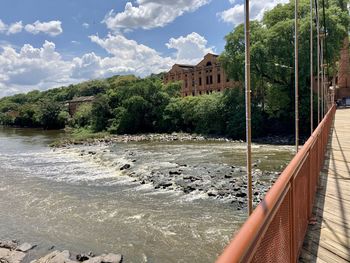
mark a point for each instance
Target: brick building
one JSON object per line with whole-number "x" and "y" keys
{"x": 206, "y": 77}
{"x": 74, "y": 104}
{"x": 343, "y": 78}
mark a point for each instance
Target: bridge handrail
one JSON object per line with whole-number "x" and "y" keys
{"x": 276, "y": 229}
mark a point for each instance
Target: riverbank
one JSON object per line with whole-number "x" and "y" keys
{"x": 85, "y": 137}
{"x": 11, "y": 251}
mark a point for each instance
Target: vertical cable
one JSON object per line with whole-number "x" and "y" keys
{"x": 311, "y": 69}
{"x": 296, "y": 71}
{"x": 248, "y": 107}
{"x": 318, "y": 62}
{"x": 322, "y": 80}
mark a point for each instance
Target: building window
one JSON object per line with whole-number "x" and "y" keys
{"x": 200, "y": 81}
{"x": 211, "y": 79}
{"x": 219, "y": 78}
{"x": 209, "y": 63}
{"x": 207, "y": 80}
{"x": 207, "y": 91}
{"x": 200, "y": 93}
{"x": 193, "y": 83}
{"x": 193, "y": 93}
{"x": 219, "y": 90}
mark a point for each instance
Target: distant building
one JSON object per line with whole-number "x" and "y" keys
{"x": 206, "y": 77}
{"x": 341, "y": 81}
{"x": 74, "y": 104}
{"x": 343, "y": 77}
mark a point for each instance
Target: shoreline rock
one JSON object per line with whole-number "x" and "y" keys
{"x": 13, "y": 252}
{"x": 164, "y": 137}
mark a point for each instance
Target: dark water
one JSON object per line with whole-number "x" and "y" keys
{"x": 58, "y": 197}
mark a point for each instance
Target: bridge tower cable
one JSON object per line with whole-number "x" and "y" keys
{"x": 326, "y": 58}
{"x": 296, "y": 71}
{"x": 248, "y": 105}
{"x": 311, "y": 69}
{"x": 318, "y": 62}
{"x": 322, "y": 78}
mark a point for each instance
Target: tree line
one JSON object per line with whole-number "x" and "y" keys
{"x": 127, "y": 104}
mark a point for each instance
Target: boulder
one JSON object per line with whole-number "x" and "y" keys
{"x": 125, "y": 167}
{"x": 106, "y": 258}
{"x": 25, "y": 247}
{"x": 82, "y": 257}
{"x": 174, "y": 172}
{"x": 241, "y": 194}
{"x": 11, "y": 256}
{"x": 12, "y": 245}
{"x": 55, "y": 257}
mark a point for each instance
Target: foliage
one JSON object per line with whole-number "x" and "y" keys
{"x": 128, "y": 104}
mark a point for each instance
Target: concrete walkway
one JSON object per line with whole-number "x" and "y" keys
{"x": 329, "y": 239}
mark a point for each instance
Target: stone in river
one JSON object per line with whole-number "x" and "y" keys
{"x": 125, "y": 166}
{"x": 109, "y": 258}
{"x": 175, "y": 172}
{"x": 82, "y": 257}
{"x": 241, "y": 194}
{"x": 25, "y": 247}
{"x": 11, "y": 256}
{"x": 55, "y": 257}
{"x": 8, "y": 244}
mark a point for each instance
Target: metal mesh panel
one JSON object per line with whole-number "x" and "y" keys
{"x": 301, "y": 203}
{"x": 275, "y": 243}
{"x": 313, "y": 174}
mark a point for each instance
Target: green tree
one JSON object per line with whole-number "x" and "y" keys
{"x": 101, "y": 113}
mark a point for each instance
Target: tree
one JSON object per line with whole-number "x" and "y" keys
{"x": 50, "y": 115}
{"x": 101, "y": 113}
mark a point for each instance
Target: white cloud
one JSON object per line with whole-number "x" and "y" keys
{"x": 235, "y": 15}
{"x": 52, "y": 28}
{"x": 130, "y": 56}
{"x": 27, "y": 68}
{"x": 85, "y": 25}
{"x": 149, "y": 14}
{"x": 3, "y": 27}
{"x": 30, "y": 68}
{"x": 189, "y": 49}
{"x": 15, "y": 28}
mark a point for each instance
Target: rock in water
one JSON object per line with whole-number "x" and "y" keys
{"x": 82, "y": 257}
{"x": 55, "y": 257}
{"x": 125, "y": 166}
{"x": 25, "y": 247}
{"x": 106, "y": 258}
{"x": 8, "y": 244}
{"x": 11, "y": 256}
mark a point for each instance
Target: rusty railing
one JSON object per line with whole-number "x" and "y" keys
{"x": 275, "y": 231}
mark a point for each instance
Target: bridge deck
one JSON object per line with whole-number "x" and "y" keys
{"x": 329, "y": 239}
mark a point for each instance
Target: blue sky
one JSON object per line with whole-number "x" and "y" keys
{"x": 45, "y": 44}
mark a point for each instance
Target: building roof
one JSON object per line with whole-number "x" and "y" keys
{"x": 83, "y": 99}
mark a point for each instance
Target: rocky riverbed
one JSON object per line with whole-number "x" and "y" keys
{"x": 164, "y": 137}
{"x": 202, "y": 167}
{"x": 14, "y": 252}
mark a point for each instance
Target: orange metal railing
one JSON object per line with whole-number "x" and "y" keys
{"x": 276, "y": 229}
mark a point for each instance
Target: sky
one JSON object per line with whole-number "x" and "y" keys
{"x": 47, "y": 44}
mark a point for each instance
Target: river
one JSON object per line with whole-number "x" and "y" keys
{"x": 65, "y": 199}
